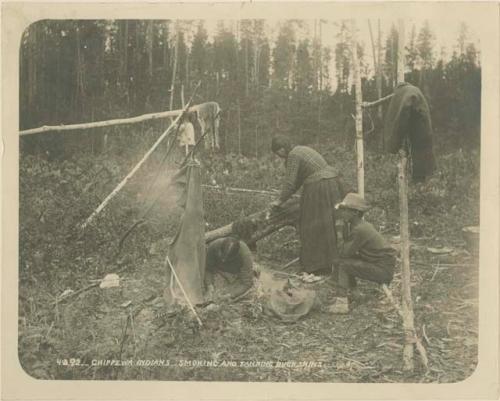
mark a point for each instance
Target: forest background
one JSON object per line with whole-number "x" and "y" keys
{"x": 268, "y": 78}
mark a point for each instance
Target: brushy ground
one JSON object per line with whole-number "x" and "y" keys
{"x": 58, "y": 339}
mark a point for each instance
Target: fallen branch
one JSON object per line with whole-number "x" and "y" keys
{"x": 74, "y": 293}
{"x": 291, "y": 263}
{"x": 445, "y": 265}
{"x": 244, "y": 190}
{"x": 425, "y": 335}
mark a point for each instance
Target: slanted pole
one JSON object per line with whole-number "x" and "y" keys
{"x": 359, "y": 112}
{"x": 130, "y": 174}
{"x": 139, "y": 164}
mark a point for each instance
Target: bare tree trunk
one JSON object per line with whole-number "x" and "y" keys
{"x": 187, "y": 69}
{"x": 320, "y": 81}
{"x": 239, "y": 127}
{"x": 216, "y": 84}
{"x": 318, "y": 134}
{"x": 256, "y": 56}
{"x": 256, "y": 140}
{"x": 379, "y": 69}
{"x": 124, "y": 77}
{"x": 376, "y": 63}
{"x": 174, "y": 69}
{"x": 246, "y": 67}
{"x": 372, "y": 41}
{"x": 401, "y": 52}
{"x": 359, "y": 112}
{"x": 320, "y": 56}
{"x": 150, "y": 48}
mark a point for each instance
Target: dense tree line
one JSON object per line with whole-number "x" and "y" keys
{"x": 78, "y": 71}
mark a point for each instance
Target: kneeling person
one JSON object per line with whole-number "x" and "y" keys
{"x": 229, "y": 255}
{"x": 366, "y": 255}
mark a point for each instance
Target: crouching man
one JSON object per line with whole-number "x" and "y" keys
{"x": 230, "y": 255}
{"x": 366, "y": 254}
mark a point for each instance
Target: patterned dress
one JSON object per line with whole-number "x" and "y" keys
{"x": 323, "y": 188}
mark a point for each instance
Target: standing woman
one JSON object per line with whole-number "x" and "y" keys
{"x": 323, "y": 189}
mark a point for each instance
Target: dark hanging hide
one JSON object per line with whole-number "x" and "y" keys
{"x": 408, "y": 125}
{"x": 187, "y": 250}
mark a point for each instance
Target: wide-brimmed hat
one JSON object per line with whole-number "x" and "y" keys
{"x": 353, "y": 201}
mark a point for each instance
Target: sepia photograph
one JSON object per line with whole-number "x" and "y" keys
{"x": 237, "y": 199}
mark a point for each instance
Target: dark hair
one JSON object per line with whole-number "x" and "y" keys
{"x": 281, "y": 142}
{"x": 229, "y": 248}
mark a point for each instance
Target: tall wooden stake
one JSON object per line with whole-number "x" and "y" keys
{"x": 401, "y": 52}
{"x": 379, "y": 68}
{"x": 239, "y": 127}
{"x": 359, "y": 112}
{"x": 406, "y": 304}
{"x": 406, "y": 301}
{"x": 174, "y": 69}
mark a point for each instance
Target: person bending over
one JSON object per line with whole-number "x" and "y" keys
{"x": 230, "y": 255}
{"x": 323, "y": 188}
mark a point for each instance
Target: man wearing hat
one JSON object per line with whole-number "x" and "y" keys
{"x": 366, "y": 254}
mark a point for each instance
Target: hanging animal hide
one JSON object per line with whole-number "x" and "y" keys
{"x": 207, "y": 116}
{"x": 408, "y": 125}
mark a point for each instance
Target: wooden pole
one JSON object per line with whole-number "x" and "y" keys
{"x": 100, "y": 124}
{"x": 359, "y": 111}
{"x": 186, "y": 146}
{"x": 378, "y": 102}
{"x": 129, "y": 175}
{"x": 239, "y": 127}
{"x": 415, "y": 339}
{"x": 372, "y": 41}
{"x": 167, "y": 260}
{"x": 406, "y": 304}
{"x": 401, "y": 52}
{"x": 379, "y": 68}
{"x": 406, "y": 301}
{"x": 138, "y": 165}
{"x": 174, "y": 70}
{"x": 244, "y": 190}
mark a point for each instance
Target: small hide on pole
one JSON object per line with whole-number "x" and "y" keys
{"x": 187, "y": 250}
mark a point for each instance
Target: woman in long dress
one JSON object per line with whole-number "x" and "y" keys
{"x": 323, "y": 188}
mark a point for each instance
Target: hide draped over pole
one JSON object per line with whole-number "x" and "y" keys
{"x": 187, "y": 250}
{"x": 408, "y": 118}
